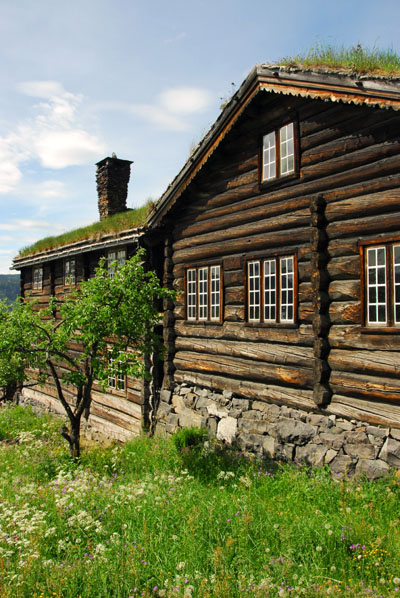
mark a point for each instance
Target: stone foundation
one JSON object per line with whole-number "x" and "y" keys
{"x": 282, "y": 433}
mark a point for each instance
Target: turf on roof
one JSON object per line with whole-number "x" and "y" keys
{"x": 113, "y": 224}
{"x": 359, "y": 60}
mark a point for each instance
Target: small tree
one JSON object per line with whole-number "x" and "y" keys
{"x": 102, "y": 329}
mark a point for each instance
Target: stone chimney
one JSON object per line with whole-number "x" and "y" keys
{"x": 112, "y": 178}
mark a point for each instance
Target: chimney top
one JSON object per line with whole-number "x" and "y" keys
{"x": 112, "y": 185}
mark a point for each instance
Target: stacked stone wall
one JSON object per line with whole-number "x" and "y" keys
{"x": 348, "y": 447}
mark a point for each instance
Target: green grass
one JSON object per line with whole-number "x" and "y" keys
{"x": 145, "y": 519}
{"x": 111, "y": 225}
{"x": 356, "y": 59}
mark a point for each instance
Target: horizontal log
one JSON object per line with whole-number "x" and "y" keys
{"x": 348, "y": 337}
{"x": 374, "y": 363}
{"x": 293, "y": 220}
{"x": 365, "y": 386}
{"x": 301, "y": 335}
{"x": 321, "y": 115}
{"x": 364, "y": 410}
{"x": 244, "y": 368}
{"x": 289, "y": 239}
{"x": 233, "y": 278}
{"x": 305, "y": 312}
{"x": 292, "y": 397}
{"x": 378, "y": 224}
{"x": 117, "y": 403}
{"x": 234, "y": 295}
{"x": 109, "y": 429}
{"x": 341, "y": 290}
{"x": 345, "y": 312}
{"x": 345, "y": 268}
{"x": 363, "y": 205}
{"x": 234, "y": 313}
{"x": 305, "y": 292}
{"x": 263, "y": 352}
{"x": 220, "y": 218}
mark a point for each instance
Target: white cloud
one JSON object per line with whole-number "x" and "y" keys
{"x": 18, "y": 224}
{"x": 50, "y": 190}
{"x": 173, "y": 107}
{"x": 186, "y": 100}
{"x": 55, "y": 136}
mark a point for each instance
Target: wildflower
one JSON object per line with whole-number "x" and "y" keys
{"x": 319, "y": 549}
{"x": 181, "y": 565}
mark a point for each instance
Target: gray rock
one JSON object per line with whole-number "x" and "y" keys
{"x": 178, "y": 403}
{"x": 284, "y": 452}
{"x": 330, "y": 455}
{"x": 163, "y": 410}
{"x": 390, "y": 452}
{"x": 189, "y": 419}
{"x": 343, "y": 465}
{"x": 251, "y": 414}
{"x": 212, "y": 427}
{"x": 184, "y": 390}
{"x": 190, "y": 399}
{"x": 362, "y": 451}
{"x": 214, "y": 409}
{"x": 269, "y": 446}
{"x": 334, "y": 441}
{"x": 375, "y": 440}
{"x": 227, "y": 429}
{"x": 294, "y": 431}
{"x": 252, "y": 426}
{"x": 379, "y": 432}
{"x": 165, "y": 395}
{"x": 344, "y": 425}
{"x": 270, "y": 409}
{"x": 202, "y": 403}
{"x": 357, "y": 437}
{"x": 251, "y": 442}
{"x": 236, "y": 413}
{"x": 312, "y": 454}
{"x": 395, "y": 433}
{"x": 316, "y": 420}
{"x": 372, "y": 469}
{"x": 240, "y": 404}
{"x": 296, "y": 414}
{"x": 227, "y": 394}
{"x": 173, "y": 419}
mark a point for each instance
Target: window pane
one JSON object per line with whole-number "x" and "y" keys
{"x": 287, "y": 289}
{"x": 203, "y": 293}
{"x": 215, "y": 275}
{"x": 396, "y": 283}
{"x": 269, "y": 159}
{"x": 376, "y": 285}
{"x": 253, "y": 269}
{"x": 270, "y": 290}
{"x": 286, "y": 137}
{"x": 191, "y": 294}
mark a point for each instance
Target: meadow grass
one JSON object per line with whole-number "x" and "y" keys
{"x": 356, "y": 59}
{"x": 146, "y": 519}
{"x": 111, "y": 225}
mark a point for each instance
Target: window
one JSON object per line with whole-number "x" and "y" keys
{"x": 113, "y": 256}
{"x": 271, "y": 290}
{"x": 116, "y": 381}
{"x": 38, "y": 278}
{"x": 69, "y": 272}
{"x": 203, "y": 294}
{"x": 278, "y": 153}
{"x": 381, "y": 275}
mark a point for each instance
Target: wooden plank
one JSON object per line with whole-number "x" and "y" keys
{"x": 377, "y": 203}
{"x": 244, "y": 368}
{"x": 269, "y": 353}
{"x": 349, "y": 336}
{"x": 341, "y": 290}
{"x": 345, "y": 312}
{"x": 365, "y": 386}
{"x": 368, "y": 411}
{"x": 371, "y": 362}
{"x": 301, "y": 335}
{"x": 292, "y": 397}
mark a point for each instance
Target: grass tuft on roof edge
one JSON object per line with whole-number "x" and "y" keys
{"x": 114, "y": 224}
{"x": 357, "y": 59}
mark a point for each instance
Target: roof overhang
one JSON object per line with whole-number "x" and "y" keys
{"x": 379, "y": 92}
{"x": 73, "y": 249}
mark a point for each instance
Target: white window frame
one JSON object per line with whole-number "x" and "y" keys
{"x": 204, "y": 293}
{"x": 115, "y": 255}
{"x": 381, "y": 275}
{"x": 271, "y": 290}
{"x": 70, "y": 272}
{"x": 118, "y": 381}
{"x": 278, "y": 153}
{"x": 37, "y": 278}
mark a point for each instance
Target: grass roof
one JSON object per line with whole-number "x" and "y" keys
{"x": 358, "y": 60}
{"x": 112, "y": 225}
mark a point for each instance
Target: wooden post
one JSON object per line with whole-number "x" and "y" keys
{"x": 322, "y": 392}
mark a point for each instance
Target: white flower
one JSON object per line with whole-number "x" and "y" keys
{"x": 181, "y": 565}
{"x": 319, "y": 549}
{"x": 396, "y": 580}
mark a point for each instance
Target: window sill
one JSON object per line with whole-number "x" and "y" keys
{"x": 272, "y": 324}
{"x": 279, "y": 181}
{"x": 380, "y": 330}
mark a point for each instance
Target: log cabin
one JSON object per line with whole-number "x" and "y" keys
{"x": 59, "y": 268}
{"x": 282, "y": 237}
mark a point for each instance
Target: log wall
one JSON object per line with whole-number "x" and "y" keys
{"x": 347, "y": 190}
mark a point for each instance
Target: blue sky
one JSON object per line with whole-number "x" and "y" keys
{"x": 144, "y": 79}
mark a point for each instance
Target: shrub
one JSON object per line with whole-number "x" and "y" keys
{"x": 187, "y": 437}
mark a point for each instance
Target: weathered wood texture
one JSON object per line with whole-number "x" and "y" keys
{"x": 349, "y": 157}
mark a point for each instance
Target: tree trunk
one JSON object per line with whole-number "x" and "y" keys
{"x": 73, "y": 437}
